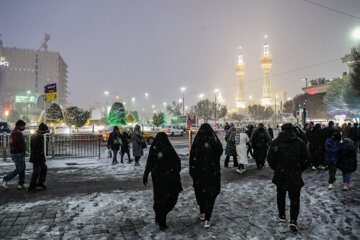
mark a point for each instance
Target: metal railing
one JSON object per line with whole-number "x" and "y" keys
{"x": 59, "y": 145}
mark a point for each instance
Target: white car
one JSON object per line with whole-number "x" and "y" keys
{"x": 172, "y": 130}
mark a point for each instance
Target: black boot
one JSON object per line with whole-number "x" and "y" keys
{"x": 293, "y": 226}
{"x": 235, "y": 162}
{"x": 226, "y": 163}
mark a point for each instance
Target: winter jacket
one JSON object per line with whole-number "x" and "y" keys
{"x": 230, "y": 142}
{"x": 354, "y": 134}
{"x": 316, "y": 145}
{"x": 136, "y": 140}
{"x": 241, "y": 141}
{"x": 345, "y": 131}
{"x": 347, "y": 162}
{"x": 37, "y": 154}
{"x": 288, "y": 157}
{"x": 332, "y": 150}
{"x": 125, "y": 139}
{"x": 17, "y": 142}
{"x": 260, "y": 140}
{"x": 271, "y": 132}
{"x": 114, "y": 141}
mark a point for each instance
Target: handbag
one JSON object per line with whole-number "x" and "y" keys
{"x": 143, "y": 144}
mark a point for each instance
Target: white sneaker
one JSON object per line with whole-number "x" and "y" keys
{"x": 243, "y": 170}
{"x": 313, "y": 168}
{"x": 3, "y": 183}
{"x": 22, "y": 186}
{"x": 202, "y": 217}
{"x": 207, "y": 224}
{"x": 331, "y": 186}
{"x": 239, "y": 171}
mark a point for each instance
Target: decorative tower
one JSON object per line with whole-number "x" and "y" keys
{"x": 266, "y": 64}
{"x": 240, "y": 72}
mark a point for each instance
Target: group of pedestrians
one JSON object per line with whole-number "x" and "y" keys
{"x": 37, "y": 158}
{"x": 204, "y": 168}
{"x": 121, "y": 141}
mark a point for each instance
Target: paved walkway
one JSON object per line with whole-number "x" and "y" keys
{"x": 82, "y": 202}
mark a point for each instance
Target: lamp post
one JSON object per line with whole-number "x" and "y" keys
{"x": 201, "y": 96}
{"x": 164, "y": 106}
{"x": 183, "y": 97}
{"x": 275, "y": 106}
{"x": 306, "y": 81}
{"x": 146, "y": 96}
{"x": 27, "y": 103}
{"x": 107, "y": 101}
{"x": 356, "y": 34}
{"x": 215, "y": 91}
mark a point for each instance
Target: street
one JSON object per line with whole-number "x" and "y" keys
{"x": 91, "y": 199}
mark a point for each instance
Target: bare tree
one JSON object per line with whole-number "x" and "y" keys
{"x": 174, "y": 109}
{"x": 205, "y": 109}
{"x": 258, "y": 112}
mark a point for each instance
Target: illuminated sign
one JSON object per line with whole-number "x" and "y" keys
{"x": 25, "y": 99}
{"x": 340, "y": 117}
{"x": 3, "y": 62}
{"x": 50, "y": 92}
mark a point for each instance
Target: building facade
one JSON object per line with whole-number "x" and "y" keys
{"x": 23, "y": 79}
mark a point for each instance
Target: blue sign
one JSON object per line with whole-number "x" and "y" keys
{"x": 50, "y": 88}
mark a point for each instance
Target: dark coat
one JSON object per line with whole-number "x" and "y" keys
{"x": 204, "y": 166}
{"x": 125, "y": 140}
{"x": 271, "y": 132}
{"x": 354, "y": 134}
{"x": 316, "y": 145}
{"x": 37, "y": 154}
{"x": 260, "y": 140}
{"x": 114, "y": 141}
{"x": 230, "y": 142}
{"x": 332, "y": 151}
{"x": 288, "y": 157}
{"x": 347, "y": 161}
{"x": 164, "y": 165}
{"x": 136, "y": 140}
{"x": 17, "y": 143}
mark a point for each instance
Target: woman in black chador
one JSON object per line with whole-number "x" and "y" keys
{"x": 205, "y": 170}
{"x": 164, "y": 165}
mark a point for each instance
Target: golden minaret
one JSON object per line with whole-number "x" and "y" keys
{"x": 240, "y": 72}
{"x": 266, "y": 64}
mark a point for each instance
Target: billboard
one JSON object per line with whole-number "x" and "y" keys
{"x": 25, "y": 99}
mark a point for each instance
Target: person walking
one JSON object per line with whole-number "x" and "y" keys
{"x": 288, "y": 157}
{"x": 164, "y": 165}
{"x": 316, "y": 146}
{"x": 271, "y": 132}
{"x": 114, "y": 143}
{"x": 332, "y": 151}
{"x": 354, "y": 135}
{"x": 17, "y": 154}
{"x": 37, "y": 158}
{"x": 345, "y": 130}
{"x": 137, "y": 144}
{"x": 259, "y": 142}
{"x": 204, "y": 168}
{"x": 125, "y": 139}
{"x": 227, "y": 126}
{"x": 242, "y": 140}
{"x": 347, "y": 161}
{"x": 249, "y": 132}
{"x": 230, "y": 147}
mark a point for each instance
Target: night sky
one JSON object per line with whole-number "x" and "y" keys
{"x": 158, "y": 46}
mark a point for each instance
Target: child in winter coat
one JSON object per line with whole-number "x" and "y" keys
{"x": 332, "y": 149}
{"x": 347, "y": 161}
{"x": 241, "y": 139}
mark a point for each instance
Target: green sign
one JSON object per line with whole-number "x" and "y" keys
{"x": 25, "y": 99}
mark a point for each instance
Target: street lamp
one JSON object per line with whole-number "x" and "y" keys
{"x": 146, "y": 95}
{"x": 215, "y": 91}
{"x": 27, "y": 104}
{"x": 183, "y": 101}
{"x": 250, "y": 97}
{"x": 107, "y": 101}
{"x": 356, "y": 34}
{"x": 201, "y": 96}
{"x": 276, "y": 97}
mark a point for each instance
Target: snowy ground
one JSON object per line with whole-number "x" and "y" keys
{"x": 94, "y": 200}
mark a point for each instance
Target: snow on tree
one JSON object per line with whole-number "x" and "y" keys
{"x": 73, "y": 116}
{"x": 355, "y": 69}
{"x": 205, "y": 109}
{"x": 314, "y": 105}
{"x": 175, "y": 109}
{"x": 236, "y": 116}
{"x": 158, "y": 119}
{"x": 54, "y": 114}
{"x": 117, "y": 114}
{"x": 13, "y": 116}
{"x": 258, "y": 112}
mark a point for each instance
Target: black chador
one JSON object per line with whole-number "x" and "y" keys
{"x": 164, "y": 165}
{"x": 205, "y": 169}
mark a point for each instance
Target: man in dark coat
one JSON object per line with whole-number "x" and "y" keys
{"x": 230, "y": 147}
{"x": 204, "y": 167}
{"x": 114, "y": 143}
{"x": 17, "y": 153}
{"x": 354, "y": 135}
{"x": 288, "y": 157}
{"x": 37, "y": 158}
{"x": 249, "y": 132}
{"x": 271, "y": 132}
{"x": 125, "y": 139}
{"x": 260, "y": 140}
{"x": 227, "y": 126}
{"x": 164, "y": 165}
{"x": 327, "y": 133}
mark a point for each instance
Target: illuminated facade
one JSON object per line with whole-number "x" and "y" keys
{"x": 240, "y": 72}
{"x": 266, "y": 64}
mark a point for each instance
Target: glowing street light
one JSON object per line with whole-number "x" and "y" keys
{"x": 201, "y": 96}
{"x": 146, "y": 95}
{"x": 133, "y": 99}
{"x": 289, "y": 98}
{"x": 216, "y": 90}
{"x": 183, "y": 100}
{"x": 250, "y": 97}
{"x": 356, "y": 34}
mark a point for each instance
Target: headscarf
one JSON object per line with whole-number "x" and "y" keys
{"x": 206, "y": 135}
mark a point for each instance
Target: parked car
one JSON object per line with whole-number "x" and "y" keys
{"x": 194, "y": 128}
{"x": 107, "y": 130}
{"x": 5, "y": 128}
{"x": 172, "y": 130}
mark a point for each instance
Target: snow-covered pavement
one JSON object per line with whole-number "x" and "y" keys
{"x": 90, "y": 199}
